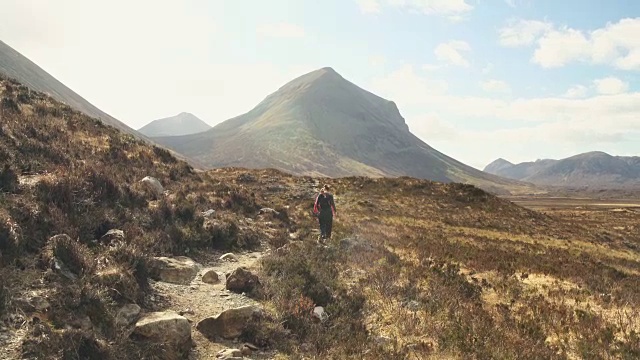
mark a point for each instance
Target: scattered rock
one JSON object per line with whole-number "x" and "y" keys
{"x": 267, "y": 210}
{"x": 242, "y": 280}
{"x": 229, "y": 354}
{"x": 246, "y": 351}
{"x": 210, "y": 277}
{"x": 229, "y": 324}
{"x": 176, "y": 270}
{"x": 209, "y": 213}
{"x": 153, "y": 185}
{"x": 229, "y": 257}
{"x": 127, "y": 315}
{"x": 319, "y": 314}
{"x": 165, "y": 328}
{"x": 111, "y": 236}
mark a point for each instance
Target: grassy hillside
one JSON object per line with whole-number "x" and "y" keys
{"x": 416, "y": 269}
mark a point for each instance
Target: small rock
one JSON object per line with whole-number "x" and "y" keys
{"x": 382, "y": 340}
{"x": 229, "y": 324}
{"x": 127, "y": 315}
{"x": 246, "y": 351}
{"x": 229, "y": 257}
{"x": 111, "y": 236}
{"x": 319, "y": 313}
{"x": 83, "y": 323}
{"x": 242, "y": 280}
{"x": 177, "y": 270}
{"x": 267, "y": 210}
{"x": 153, "y": 185}
{"x": 229, "y": 354}
{"x": 165, "y": 328}
{"x": 210, "y": 277}
{"x": 209, "y": 213}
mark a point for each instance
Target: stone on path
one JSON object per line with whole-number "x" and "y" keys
{"x": 229, "y": 324}
{"x": 229, "y": 257}
{"x": 229, "y": 354}
{"x": 176, "y": 270}
{"x": 242, "y": 280}
{"x": 210, "y": 277}
{"x": 167, "y": 328}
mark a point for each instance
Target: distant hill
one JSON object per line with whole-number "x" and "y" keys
{"x": 593, "y": 169}
{"x": 181, "y": 124}
{"x": 323, "y": 125}
{"x": 15, "y": 65}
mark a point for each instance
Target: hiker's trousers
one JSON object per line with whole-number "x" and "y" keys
{"x": 326, "y": 223}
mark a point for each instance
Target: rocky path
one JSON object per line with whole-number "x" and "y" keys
{"x": 199, "y": 300}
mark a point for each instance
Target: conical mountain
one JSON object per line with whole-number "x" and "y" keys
{"x": 16, "y": 66}
{"x": 181, "y": 124}
{"x": 322, "y": 124}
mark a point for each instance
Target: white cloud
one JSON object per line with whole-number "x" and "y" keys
{"x": 522, "y": 32}
{"x": 585, "y": 116}
{"x": 377, "y": 60}
{"x": 615, "y": 44}
{"x": 431, "y": 67}
{"x": 452, "y": 8}
{"x": 281, "y": 30}
{"x": 407, "y": 82}
{"x": 496, "y": 86}
{"x": 451, "y": 52}
{"x": 611, "y": 86}
{"x": 576, "y": 92}
{"x": 369, "y": 6}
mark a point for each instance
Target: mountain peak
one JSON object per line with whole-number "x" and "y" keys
{"x": 182, "y": 124}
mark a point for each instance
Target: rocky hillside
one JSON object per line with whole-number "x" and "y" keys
{"x": 593, "y": 169}
{"x": 113, "y": 249}
{"x": 320, "y": 124}
{"x": 181, "y": 124}
{"x": 14, "y": 65}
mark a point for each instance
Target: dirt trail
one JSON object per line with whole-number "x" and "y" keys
{"x": 200, "y": 300}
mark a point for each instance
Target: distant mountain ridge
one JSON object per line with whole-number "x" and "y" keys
{"x": 15, "y": 65}
{"x": 594, "y": 169}
{"x": 320, "y": 124}
{"x": 181, "y": 124}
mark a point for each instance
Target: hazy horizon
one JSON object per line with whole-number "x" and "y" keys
{"x": 517, "y": 79}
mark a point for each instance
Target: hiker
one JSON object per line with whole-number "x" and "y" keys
{"x": 325, "y": 209}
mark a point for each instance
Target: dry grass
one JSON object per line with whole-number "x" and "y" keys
{"x": 431, "y": 271}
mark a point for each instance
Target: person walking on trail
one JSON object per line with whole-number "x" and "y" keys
{"x": 325, "y": 209}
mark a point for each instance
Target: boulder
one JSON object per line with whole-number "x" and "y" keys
{"x": 153, "y": 185}
{"x": 176, "y": 270}
{"x": 111, "y": 236}
{"x": 210, "y": 277}
{"x": 127, "y": 315}
{"x": 229, "y": 324}
{"x": 242, "y": 280}
{"x": 167, "y": 328}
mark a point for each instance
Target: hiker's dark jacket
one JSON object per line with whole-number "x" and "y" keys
{"x": 325, "y": 205}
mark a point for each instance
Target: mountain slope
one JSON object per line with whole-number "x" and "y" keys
{"x": 321, "y": 124}
{"x": 16, "y": 66}
{"x": 181, "y": 124}
{"x": 594, "y": 169}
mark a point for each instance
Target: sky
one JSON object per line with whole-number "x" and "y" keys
{"x": 476, "y": 79}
